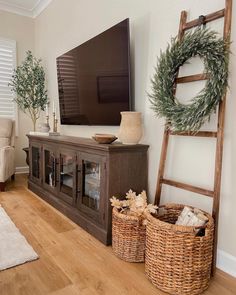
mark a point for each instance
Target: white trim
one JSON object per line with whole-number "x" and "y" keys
{"x": 33, "y": 12}
{"x": 37, "y": 3}
{"x": 22, "y": 170}
{"x": 226, "y": 262}
{"x": 14, "y": 9}
{"x": 41, "y": 5}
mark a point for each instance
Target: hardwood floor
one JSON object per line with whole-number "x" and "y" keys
{"x": 71, "y": 261}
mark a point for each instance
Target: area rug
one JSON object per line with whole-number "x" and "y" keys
{"x": 14, "y": 249}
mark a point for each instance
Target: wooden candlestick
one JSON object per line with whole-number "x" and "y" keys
{"x": 55, "y": 121}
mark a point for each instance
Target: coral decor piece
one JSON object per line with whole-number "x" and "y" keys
{"x": 134, "y": 205}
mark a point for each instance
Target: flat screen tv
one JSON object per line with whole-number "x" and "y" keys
{"x": 94, "y": 79}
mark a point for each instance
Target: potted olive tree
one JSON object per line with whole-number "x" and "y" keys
{"x": 28, "y": 83}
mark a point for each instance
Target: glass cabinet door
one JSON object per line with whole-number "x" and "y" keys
{"x": 91, "y": 184}
{"x": 67, "y": 165}
{"x": 90, "y": 194}
{"x": 49, "y": 168}
{"x": 35, "y": 161}
{"x": 35, "y": 172}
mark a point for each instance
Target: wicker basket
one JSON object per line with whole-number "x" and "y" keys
{"x": 128, "y": 237}
{"x": 177, "y": 261}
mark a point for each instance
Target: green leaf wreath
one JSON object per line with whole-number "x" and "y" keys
{"x": 214, "y": 52}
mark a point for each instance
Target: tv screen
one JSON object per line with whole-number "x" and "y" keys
{"x": 94, "y": 79}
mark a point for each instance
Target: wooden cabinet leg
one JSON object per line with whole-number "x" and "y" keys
{"x": 13, "y": 177}
{"x": 2, "y": 186}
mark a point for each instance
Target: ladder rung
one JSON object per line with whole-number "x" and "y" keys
{"x": 208, "y": 18}
{"x": 188, "y": 187}
{"x": 198, "y": 134}
{"x": 191, "y": 78}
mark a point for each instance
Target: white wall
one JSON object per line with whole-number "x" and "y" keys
{"x": 20, "y": 29}
{"x": 66, "y": 24}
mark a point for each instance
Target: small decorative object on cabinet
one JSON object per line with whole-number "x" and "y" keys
{"x": 104, "y": 138}
{"x": 77, "y": 176}
{"x": 129, "y": 219}
{"x": 55, "y": 121}
{"x": 178, "y": 258}
{"x": 45, "y": 127}
{"x": 130, "y": 127}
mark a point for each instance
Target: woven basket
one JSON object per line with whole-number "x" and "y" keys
{"x": 128, "y": 237}
{"x": 177, "y": 261}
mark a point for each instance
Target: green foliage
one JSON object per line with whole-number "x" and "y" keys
{"x": 215, "y": 54}
{"x": 28, "y": 83}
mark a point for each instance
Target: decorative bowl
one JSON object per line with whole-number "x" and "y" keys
{"x": 104, "y": 138}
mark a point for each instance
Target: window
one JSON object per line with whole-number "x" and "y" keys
{"x": 7, "y": 65}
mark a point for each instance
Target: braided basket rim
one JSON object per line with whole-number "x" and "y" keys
{"x": 124, "y": 216}
{"x": 175, "y": 227}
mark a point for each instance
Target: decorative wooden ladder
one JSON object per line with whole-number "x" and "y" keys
{"x": 218, "y": 135}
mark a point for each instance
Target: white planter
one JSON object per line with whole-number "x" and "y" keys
{"x": 130, "y": 127}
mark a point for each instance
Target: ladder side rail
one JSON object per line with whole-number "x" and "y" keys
{"x": 220, "y": 142}
{"x": 164, "y": 148}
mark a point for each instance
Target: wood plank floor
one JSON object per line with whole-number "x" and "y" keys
{"x": 72, "y": 262}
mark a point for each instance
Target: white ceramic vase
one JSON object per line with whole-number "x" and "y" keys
{"x": 130, "y": 127}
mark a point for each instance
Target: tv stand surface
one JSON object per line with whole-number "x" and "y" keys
{"x": 78, "y": 176}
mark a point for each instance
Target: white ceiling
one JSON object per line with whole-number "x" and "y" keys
{"x": 30, "y": 8}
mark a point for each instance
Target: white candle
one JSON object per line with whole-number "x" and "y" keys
{"x": 47, "y": 109}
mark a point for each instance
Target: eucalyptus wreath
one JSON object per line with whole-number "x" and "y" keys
{"x": 214, "y": 52}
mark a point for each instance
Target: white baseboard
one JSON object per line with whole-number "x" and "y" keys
{"x": 226, "y": 262}
{"x": 22, "y": 170}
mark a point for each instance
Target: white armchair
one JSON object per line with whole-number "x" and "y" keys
{"x": 7, "y": 153}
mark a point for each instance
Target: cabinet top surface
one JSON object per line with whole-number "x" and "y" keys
{"x": 88, "y": 142}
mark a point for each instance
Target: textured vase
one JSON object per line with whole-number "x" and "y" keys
{"x": 130, "y": 127}
{"x": 45, "y": 127}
